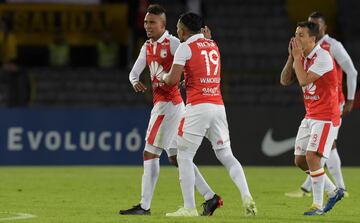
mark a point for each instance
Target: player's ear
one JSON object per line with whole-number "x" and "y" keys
{"x": 314, "y": 38}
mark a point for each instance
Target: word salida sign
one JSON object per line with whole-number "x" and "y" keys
{"x": 35, "y": 24}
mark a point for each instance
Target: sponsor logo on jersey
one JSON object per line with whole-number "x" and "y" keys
{"x": 310, "y": 88}
{"x": 309, "y": 92}
{"x": 156, "y": 70}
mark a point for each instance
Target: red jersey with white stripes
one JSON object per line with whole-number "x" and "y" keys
{"x": 159, "y": 59}
{"x": 326, "y": 45}
{"x": 321, "y": 96}
{"x": 201, "y": 59}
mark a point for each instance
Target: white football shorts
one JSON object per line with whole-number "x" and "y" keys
{"x": 163, "y": 125}
{"x": 316, "y": 136}
{"x": 207, "y": 120}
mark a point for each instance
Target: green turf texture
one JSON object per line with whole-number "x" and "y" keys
{"x": 96, "y": 194}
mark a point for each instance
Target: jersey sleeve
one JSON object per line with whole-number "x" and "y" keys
{"x": 174, "y": 44}
{"x": 139, "y": 66}
{"x": 182, "y": 54}
{"x": 344, "y": 60}
{"x": 339, "y": 52}
{"x": 322, "y": 64}
{"x": 351, "y": 78}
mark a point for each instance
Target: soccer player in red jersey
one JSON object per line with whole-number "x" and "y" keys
{"x": 316, "y": 73}
{"x": 344, "y": 63}
{"x": 205, "y": 114}
{"x": 158, "y": 53}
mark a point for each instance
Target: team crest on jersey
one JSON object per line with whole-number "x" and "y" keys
{"x": 310, "y": 88}
{"x": 163, "y": 53}
{"x": 156, "y": 70}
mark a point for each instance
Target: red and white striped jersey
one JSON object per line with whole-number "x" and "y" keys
{"x": 158, "y": 55}
{"x": 201, "y": 58}
{"x": 321, "y": 96}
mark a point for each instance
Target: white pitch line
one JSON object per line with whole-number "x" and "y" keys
{"x": 18, "y": 216}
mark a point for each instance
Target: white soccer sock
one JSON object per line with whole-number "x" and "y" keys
{"x": 318, "y": 180}
{"x": 201, "y": 185}
{"x": 187, "y": 181}
{"x": 334, "y": 166}
{"x": 307, "y": 183}
{"x": 329, "y": 187}
{"x": 185, "y": 156}
{"x": 235, "y": 170}
{"x": 149, "y": 179}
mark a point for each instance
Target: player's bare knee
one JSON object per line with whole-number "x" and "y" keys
{"x": 334, "y": 145}
{"x": 147, "y": 155}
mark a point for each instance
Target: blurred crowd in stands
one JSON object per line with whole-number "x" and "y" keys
{"x": 245, "y": 31}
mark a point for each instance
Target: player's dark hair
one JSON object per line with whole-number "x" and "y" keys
{"x": 312, "y": 27}
{"x": 156, "y": 9}
{"x": 192, "y": 21}
{"x": 318, "y": 15}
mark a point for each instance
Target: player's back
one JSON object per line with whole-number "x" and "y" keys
{"x": 203, "y": 72}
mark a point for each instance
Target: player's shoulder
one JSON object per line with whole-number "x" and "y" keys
{"x": 323, "y": 54}
{"x": 333, "y": 42}
{"x": 172, "y": 39}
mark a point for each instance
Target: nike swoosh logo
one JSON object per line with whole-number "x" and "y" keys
{"x": 270, "y": 147}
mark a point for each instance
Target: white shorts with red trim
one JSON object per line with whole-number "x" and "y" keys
{"x": 163, "y": 125}
{"x": 207, "y": 120}
{"x": 316, "y": 136}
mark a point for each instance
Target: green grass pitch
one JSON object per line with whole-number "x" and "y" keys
{"x": 95, "y": 194}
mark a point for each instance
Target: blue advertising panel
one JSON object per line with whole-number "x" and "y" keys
{"x": 259, "y": 136}
{"x": 72, "y": 136}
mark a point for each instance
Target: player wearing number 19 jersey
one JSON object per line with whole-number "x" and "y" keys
{"x": 166, "y": 114}
{"x": 205, "y": 112}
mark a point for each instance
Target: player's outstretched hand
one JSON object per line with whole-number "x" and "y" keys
{"x": 348, "y": 107}
{"x": 139, "y": 87}
{"x": 207, "y": 32}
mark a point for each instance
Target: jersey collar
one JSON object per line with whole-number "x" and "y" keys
{"x": 161, "y": 39}
{"x": 313, "y": 51}
{"x": 194, "y": 38}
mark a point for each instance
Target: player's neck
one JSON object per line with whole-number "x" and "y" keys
{"x": 308, "y": 50}
{"x": 154, "y": 39}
